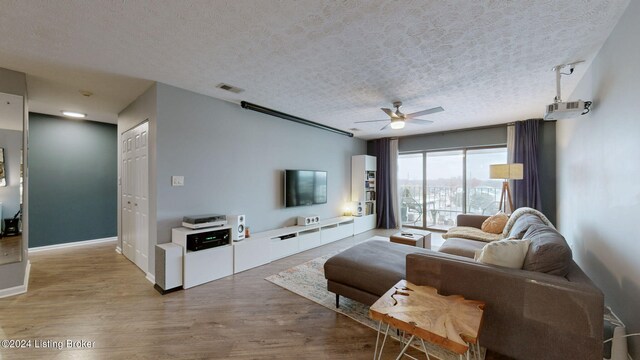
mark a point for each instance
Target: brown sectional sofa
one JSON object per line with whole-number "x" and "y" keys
{"x": 551, "y": 311}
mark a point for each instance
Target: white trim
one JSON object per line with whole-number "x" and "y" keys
{"x": 119, "y": 250}
{"x": 151, "y": 278}
{"x": 71, "y": 244}
{"x": 20, "y": 289}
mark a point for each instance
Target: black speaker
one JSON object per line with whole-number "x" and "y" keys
{"x": 11, "y": 227}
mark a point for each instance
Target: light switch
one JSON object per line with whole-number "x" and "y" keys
{"x": 177, "y": 181}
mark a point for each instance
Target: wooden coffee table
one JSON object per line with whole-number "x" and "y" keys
{"x": 413, "y": 237}
{"x": 451, "y": 322}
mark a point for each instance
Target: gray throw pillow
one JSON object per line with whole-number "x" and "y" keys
{"x": 548, "y": 252}
{"x": 522, "y": 224}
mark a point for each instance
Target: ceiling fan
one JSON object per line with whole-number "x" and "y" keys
{"x": 397, "y": 119}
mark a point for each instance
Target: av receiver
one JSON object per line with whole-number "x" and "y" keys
{"x": 208, "y": 239}
{"x": 195, "y": 240}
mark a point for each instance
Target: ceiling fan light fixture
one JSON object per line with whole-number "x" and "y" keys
{"x": 397, "y": 125}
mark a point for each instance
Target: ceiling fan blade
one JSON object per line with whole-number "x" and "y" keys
{"x": 384, "y": 127}
{"x": 368, "y": 121}
{"x": 425, "y": 112}
{"x": 421, "y": 121}
{"x": 390, "y": 113}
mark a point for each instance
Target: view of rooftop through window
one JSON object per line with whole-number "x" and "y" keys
{"x": 436, "y": 202}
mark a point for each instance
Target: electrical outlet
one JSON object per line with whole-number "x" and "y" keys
{"x": 177, "y": 181}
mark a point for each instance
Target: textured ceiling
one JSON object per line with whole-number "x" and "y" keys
{"x": 333, "y": 62}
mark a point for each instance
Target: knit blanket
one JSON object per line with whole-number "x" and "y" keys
{"x": 471, "y": 233}
{"x": 518, "y": 213}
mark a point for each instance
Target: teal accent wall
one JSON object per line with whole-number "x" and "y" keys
{"x": 72, "y": 180}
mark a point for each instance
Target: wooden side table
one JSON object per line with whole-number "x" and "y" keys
{"x": 413, "y": 237}
{"x": 451, "y": 322}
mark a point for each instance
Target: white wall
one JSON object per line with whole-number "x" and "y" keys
{"x": 599, "y": 173}
{"x": 232, "y": 160}
{"x": 144, "y": 108}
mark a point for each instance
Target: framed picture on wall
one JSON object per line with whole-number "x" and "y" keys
{"x": 3, "y": 179}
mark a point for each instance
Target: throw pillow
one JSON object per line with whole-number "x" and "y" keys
{"x": 495, "y": 224}
{"x": 508, "y": 253}
{"x": 549, "y": 252}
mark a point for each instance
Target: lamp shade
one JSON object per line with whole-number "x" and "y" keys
{"x": 506, "y": 171}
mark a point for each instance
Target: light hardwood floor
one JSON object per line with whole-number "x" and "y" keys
{"x": 92, "y": 293}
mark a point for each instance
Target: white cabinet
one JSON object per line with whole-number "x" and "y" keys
{"x": 250, "y": 252}
{"x": 309, "y": 239}
{"x": 364, "y": 223}
{"x": 204, "y": 265}
{"x": 290, "y": 240}
{"x": 284, "y": 246}
{"x": 168, "y": 266}
{"x": 335, "y": 232}
{"x": 363, "y": 191}
{"x": 207, "y": 265}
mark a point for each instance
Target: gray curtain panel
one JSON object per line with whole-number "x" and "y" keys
{"x": 384, "y": 195}
{"x": 526, "y": 192}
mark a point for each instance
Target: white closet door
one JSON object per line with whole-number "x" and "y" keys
{"x": 128, "y": 247}
{"x": 140, "y": 197}
{"x": 135, "y": 196}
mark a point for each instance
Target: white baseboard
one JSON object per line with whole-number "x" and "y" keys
{"x": 71, "y": 244}
{"x": 20, "y": 289}
{"x": 151, "y": 278}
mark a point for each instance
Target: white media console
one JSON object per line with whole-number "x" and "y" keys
{"x": 264, "y": 247}
{"x": 261, "y": 248}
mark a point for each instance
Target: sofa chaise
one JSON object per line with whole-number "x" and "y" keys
{"x": 548, "y": 311}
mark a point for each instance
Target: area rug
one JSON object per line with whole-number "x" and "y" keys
{"x": 307, "y": 280}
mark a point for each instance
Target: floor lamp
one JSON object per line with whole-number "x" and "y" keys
{"x": 506, "y": 172}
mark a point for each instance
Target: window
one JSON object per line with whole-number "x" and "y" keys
{"x": 445, "y": 186}
{"x": 483, "y": 194}
{"x": 410, "y": 183}
{"x": 436, "y": 186}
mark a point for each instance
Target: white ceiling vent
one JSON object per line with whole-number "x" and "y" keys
{"x": 228, "y": 87}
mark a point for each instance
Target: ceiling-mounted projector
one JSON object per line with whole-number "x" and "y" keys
{"x": 565, "y": 110}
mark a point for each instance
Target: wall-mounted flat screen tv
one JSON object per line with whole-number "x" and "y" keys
{"x": 305, "y": 187}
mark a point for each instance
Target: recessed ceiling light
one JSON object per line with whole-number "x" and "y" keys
{"x": 74, "y": 114}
